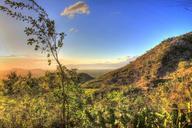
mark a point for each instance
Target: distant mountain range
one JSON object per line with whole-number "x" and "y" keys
{"x": 41, "y": 72}
{"x": 156, "y": 64}
{"x": 22, "y": 72}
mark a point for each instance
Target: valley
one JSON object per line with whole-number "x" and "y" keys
{"x": 150, "y": 88}
{"x": 95, "y": 64}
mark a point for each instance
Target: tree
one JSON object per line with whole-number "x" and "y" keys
{"x": 12, "y": 78}
{"x": 41, "y": 34}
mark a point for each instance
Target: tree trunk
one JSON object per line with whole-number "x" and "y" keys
{"x": 64, "y": 120}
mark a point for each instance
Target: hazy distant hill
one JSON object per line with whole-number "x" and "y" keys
{"x": 41, "y": 72}
{"x": 84, "y": 77}
{"x": 23, "y": 72}
{"x": 95, "y": 72}
{"x": 151, "y": 67}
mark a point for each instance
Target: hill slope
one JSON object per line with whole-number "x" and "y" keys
{"x": 154, "y": 65}
{"x": 84, "y": 77}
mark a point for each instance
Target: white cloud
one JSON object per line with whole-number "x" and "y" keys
{"x": 77, "y": 8}
{"x": 73, "y": 30}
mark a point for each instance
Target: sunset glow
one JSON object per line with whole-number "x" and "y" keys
{"x": 96, "y": 38}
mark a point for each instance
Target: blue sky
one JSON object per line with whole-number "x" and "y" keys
{"x": 120, "y": 28}
{"x": 108, "y": 30}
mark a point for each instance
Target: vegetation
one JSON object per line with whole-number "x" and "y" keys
{"x": 153, "y": 65}
{"x": 35, "y": 102}
{"x": 154, "y": 91}
{"x": 42, "y": 35}
{"x": 25, "y": 104}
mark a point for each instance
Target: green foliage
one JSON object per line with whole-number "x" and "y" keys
{"x": 12, "y": 79}
{"x": 37, "y": 102}
{"x": 158, "y": 94}
{"x": 16, "y": 85}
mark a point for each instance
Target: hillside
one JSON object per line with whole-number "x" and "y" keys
{"x": 94, "y": 72}
{"x": 84, "y": 77}
{"x": 153, "y": 91}
{"x": 151, "y": 67}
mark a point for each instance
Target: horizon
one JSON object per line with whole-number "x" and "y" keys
{"x": 97, "y": 39}
{"x": 96, "y": 63}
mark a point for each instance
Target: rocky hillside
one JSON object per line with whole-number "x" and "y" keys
{"x": 151, "y": 67}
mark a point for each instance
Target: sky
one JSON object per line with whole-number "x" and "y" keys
{"x": 101, "y": 34}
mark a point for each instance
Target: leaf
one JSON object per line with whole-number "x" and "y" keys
{"x": 49, "y": 62}
{"x": 36, "y": 47}
{"x": 48, "y": 55}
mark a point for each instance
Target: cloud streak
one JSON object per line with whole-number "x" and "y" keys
{"x": 73, "y": 30}
{"x": 114, "y": 64}
{"x": 77, "y": 8}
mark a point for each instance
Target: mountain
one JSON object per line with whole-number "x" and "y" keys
{"x": 84, "y": 77}
{"x": 23, "y": 72}
{"x": 154, "y": 66}
{"x": 94, "y": 72}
